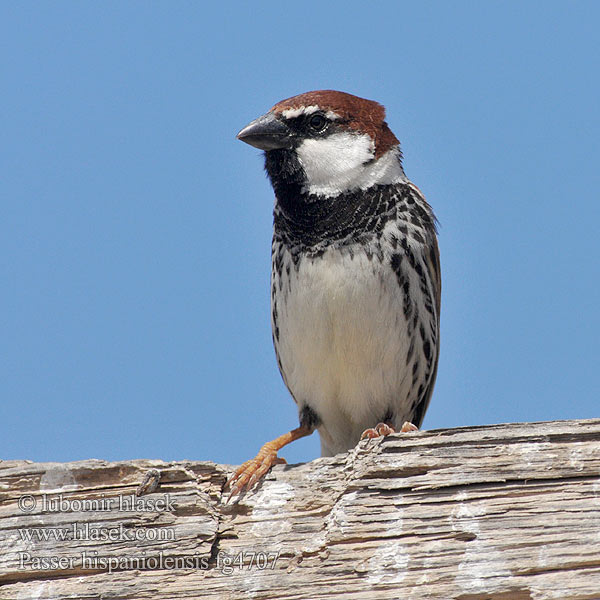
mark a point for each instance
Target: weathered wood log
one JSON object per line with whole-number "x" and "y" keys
{"x": 508, "y": 512}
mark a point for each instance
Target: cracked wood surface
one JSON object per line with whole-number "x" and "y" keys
{"x": 503, "y": 512}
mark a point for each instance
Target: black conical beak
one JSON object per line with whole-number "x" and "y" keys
{"x": 267, "y": 133}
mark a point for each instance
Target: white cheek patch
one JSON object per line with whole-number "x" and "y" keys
{"x": 344, "y": 161}
{"x": 333, "y": 161}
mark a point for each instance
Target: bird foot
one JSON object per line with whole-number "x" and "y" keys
{"x": 250, "y": 472}
{"x": 383, "y": 429}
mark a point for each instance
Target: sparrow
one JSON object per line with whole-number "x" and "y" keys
{"x": 355, "y": 280}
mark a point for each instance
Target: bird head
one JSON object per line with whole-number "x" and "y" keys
{"x": 326, "y": 143}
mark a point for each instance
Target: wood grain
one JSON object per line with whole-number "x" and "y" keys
{"x": 503, "y": 512}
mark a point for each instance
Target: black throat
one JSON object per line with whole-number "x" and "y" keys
{"x": 309, "y": 223}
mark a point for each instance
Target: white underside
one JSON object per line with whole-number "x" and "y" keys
{"x": 343, "y": 344}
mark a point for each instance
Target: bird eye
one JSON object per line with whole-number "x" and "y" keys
{"x": 317, "y": 122}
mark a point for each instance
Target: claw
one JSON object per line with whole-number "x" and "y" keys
{"x": 381, "y": 429}
{"x": 247, "y": 475}
{"x": 407, "y": 426}
{"x": 261, "y": 471}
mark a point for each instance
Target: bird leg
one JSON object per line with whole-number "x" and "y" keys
{"x": 384, "y": 429}
{"x": 249, "y": 473}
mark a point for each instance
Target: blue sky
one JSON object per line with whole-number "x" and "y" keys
{"x": 136, "y": 230}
